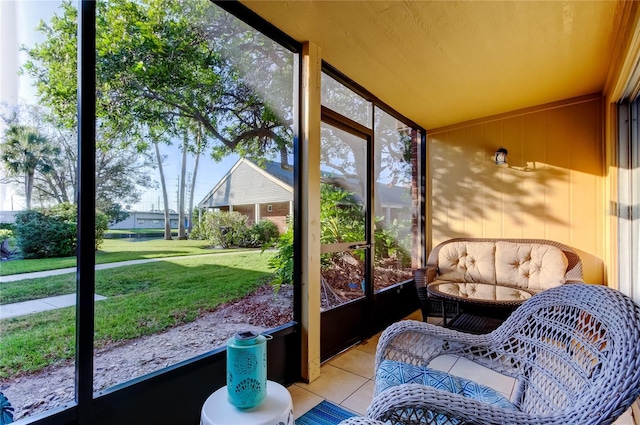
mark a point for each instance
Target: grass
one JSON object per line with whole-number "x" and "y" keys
{"x": 114, "y": 250}
{"x": 142, "y": 300}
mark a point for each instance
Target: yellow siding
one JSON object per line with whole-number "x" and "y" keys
{"x": 551, "y": 189}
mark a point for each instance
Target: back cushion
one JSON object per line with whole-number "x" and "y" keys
{"x": 532, "y": 266}
{"x": 467, "y": 262}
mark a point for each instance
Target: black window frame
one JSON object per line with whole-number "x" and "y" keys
{"x": 156, "y": 397}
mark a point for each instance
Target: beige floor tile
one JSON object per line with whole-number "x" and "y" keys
{"x": 361, "y": 399}
{"x": 482, "y": 375}
{"x": 443, "y": 363}
{"x": 434, "y": 320}
{"x": 303, "y": 400}
{"x": 334, "y": 384}
{"x": 369, "y": 345}
{"x": 355, "y": 361}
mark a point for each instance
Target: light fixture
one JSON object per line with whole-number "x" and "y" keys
{"x": 501, "y": 156}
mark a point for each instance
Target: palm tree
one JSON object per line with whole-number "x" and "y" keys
{"x": 23, "y": 152}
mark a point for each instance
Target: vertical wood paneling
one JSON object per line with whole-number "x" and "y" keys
{"x": 514, "y": 195}
{"x": 559, "y": 145}
{"x": 475, "y": 161}
{"x": 493, "y": 213}
{"x": 551, "y": 189}
{"x": 533, "y": 165}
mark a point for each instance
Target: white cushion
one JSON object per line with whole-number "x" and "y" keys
{"x": 532, "y": 266}
{"x": 467, "y": 262}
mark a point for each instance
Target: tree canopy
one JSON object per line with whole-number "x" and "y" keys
{"x": 24, "y": 151}
{"x": 161, "y": 62}
{"x": 35, "y": 145}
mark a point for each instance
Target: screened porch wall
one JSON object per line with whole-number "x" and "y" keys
{"x": 552, "y": 187}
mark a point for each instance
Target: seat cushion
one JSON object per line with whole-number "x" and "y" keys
{"x": 531, "y": 266}
{"x": 467, "y": 262}
{"x": 391, "y": 373}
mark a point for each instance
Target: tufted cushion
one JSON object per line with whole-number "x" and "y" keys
{"x": 391, "y": 373}
{"x": 467, "y": 262}
{"x": 532, "y": 266}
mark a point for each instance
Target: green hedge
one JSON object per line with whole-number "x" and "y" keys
{"x": 52, "y": 232}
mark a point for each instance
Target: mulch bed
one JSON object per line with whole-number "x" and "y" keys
{"x": 345, "y": 275}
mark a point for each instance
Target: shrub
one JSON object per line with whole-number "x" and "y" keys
{"x": 200, "y": 232}
{"x": 282, "y": 262}
{"x": 226, "y": 229}
{"x": 52, "y": 232}
{"x": 43, "y": 233}
{"x": 5, "y": 234}
{"x": 262, "y": 234}
{"x": 102, "y": 224}
{"x": 393, "y": 240}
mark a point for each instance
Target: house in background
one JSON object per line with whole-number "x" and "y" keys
{"x": 266, "y": 193}
{"x": 8, "y": 216}
{"x": 135, "y": 220}
{"x": 259, "y": 193}
{"x": 146, "y": 220}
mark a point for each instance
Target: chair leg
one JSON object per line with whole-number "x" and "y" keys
{"x": 424, "y": 302}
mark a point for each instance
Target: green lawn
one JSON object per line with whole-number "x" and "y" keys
{"x": 113, "y": 250}
{"x": 142, "y": 300}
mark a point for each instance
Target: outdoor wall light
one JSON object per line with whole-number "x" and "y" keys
{"x": 501, "y": 156}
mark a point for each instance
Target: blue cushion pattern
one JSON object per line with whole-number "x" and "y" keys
{"x": 391, "y": 373}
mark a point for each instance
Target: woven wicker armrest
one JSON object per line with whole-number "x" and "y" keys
{"x": 419, "y": 402}
{"x": 424, "y": 276}
{"x": 417, "y": 343}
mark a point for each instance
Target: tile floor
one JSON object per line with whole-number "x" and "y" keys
{"x": 347, "y": 379}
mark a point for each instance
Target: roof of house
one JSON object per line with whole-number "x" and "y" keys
{"x": 275, "y": 185}
{"x": 276, "y": 170}
{"x": 248, "y": 183}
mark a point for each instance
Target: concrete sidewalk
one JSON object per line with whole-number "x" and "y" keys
{"x": 43, "y": 304}
{"x": 45, "y": 273}
{"x": 51, "y": 303}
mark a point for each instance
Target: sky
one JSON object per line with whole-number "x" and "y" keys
{"x": 17, "y": 22}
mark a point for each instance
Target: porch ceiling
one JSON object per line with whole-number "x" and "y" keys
{"x": 444, "y": 62}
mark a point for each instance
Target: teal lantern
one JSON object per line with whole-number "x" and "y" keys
{"x": 247, "y": 369}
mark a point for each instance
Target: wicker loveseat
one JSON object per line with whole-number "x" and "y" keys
{"x": 531, "y": 264}
{"x": 574, "y": 352}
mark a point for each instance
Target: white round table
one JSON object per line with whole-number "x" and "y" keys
{"x": 275, "y": 409}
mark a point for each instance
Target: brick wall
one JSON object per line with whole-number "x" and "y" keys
{"x": 277, "y": 215}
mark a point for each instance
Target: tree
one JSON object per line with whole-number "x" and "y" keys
{"x": 25, "y": 151}
{"x": 161, "y": 63}
{"x": 183, "y": 174}
{"x": 165, "y": 197}
{"x": 121, "y": 170}
{"x": 200, "y": 145}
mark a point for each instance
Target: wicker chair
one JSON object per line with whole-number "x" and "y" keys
{"x": 574, "y": 351}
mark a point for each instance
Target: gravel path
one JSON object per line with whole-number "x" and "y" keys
{"x": 120, "y": 362}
